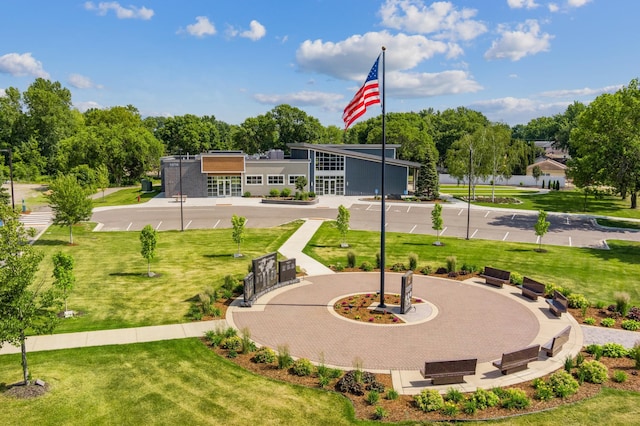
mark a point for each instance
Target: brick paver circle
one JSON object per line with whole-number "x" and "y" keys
{"x": 472, "y": 321}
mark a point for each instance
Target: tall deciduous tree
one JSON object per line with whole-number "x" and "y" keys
{"x": 237, "y": 235}
{"x": 541, "y": 227}
{"x": 148, "y": 242}
{"x": 63, "y": 278}
{"x": 24, "y": 304}
{"x": 536, "y": 172}
{"x": 70, "y": 202}
{"x": 342, "y": 223}
{"x": 437, "y": 222}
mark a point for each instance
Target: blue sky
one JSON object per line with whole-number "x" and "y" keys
{"x": 513, "y": 60}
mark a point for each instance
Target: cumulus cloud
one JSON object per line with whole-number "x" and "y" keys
{"x": 352, "y": 58}
{"x": 520, "y": 4}
{"x": 420, "y": 85}
{"x": 21, "y": 65}
{"x": 553, "y": 7}
{"x": 121, "y": 12}
{"x": 85, "y": 106}
{"x": 203, "y": 27}
{"x": 518, "y": 110}
{"x": 577, "y": 3}
{"x": 81, "y": 82}
{"x": 300, "y": 99}
{"x": 2, "y": 93}
{"x": 256, "y": 31}
{"x": 526, "y": 39}
{"x": 441, "y": 18}
{"x": 586, "y": 91}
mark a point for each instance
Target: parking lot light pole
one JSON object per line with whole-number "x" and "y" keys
{"x": 181, "y": 196}
{"x": 13, "y": 201}
{"x": 469, "y": 194}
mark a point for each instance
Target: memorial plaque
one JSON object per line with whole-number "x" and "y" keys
{"x": 264, "y": 272}
{"x": 286, "y": 270}
{"x": 406, "y": 292}
{"x": 249, "y": 289}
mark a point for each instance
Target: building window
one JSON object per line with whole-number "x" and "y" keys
{"x": 224, "y": 186}
{"x": 326, "y": 161}
{"x": 330, "y": 185}
{"x": 253, "y": 179}
{"x": 275, "y": 179}
{"x": 292, "y": 179}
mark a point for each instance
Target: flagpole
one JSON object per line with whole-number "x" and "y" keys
{"x": 383, "y": 206}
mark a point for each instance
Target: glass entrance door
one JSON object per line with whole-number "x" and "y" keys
{"x": 330, "y": 187}
{"x": 224, "y": 186}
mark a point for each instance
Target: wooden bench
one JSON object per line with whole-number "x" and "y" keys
{"x": 558, "y": 304}
{"x": 555, "y": 345}
{"x": 532, "y": 289}
{"x": 447, "y": 372}
{"x": 517, "y": 360}
{"x": 178, "y": 198}
{"x": 496, "y": 277}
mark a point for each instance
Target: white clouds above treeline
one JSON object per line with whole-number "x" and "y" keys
{"x": 22, "y": 64}
{"x": 131, "y": 12}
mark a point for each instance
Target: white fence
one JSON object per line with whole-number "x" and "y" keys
{"x": 517, "y": 180}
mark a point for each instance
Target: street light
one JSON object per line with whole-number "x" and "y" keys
{"x": 469, "y": 194}
{"x": 181, "y": 196}
{"x": 13, "y": 201}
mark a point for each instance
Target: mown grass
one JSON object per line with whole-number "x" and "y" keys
{"x": 597, "y": 274}
{"x": 613, "y": 223}
{"x": 125, "y": 197}
{"x": 112, "y": 289}
{"x": 485, "y": 190}
{"x": 170, "y": 382}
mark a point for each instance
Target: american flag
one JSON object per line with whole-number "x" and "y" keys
{"x": 369, "y": 94}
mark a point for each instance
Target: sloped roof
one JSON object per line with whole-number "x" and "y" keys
{"x": 336, "y": 149}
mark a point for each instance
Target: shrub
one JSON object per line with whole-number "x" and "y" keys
{"x": 323, "y": 381}
{"x": 516, "y": 278}
{"x": 622, "y": 302}
{"x": 614, "y": 350}
{"x": 544, "y": 392}
{"x": 619, "y": 376}
{"x": 274, "y": 193}
{"x": 608, "y": 322}
{"x": 246, "y": 194}
{"x": 441, "y": 270}
{"x": 579, "y": 359}
{"x": 484, "y": 399}
{"x": 380, "y": 413}
{"x": 454, "y": 395}
{"x": 229, "y": 282}
{"x": 634, "y": 314}
{"x": 450, "y": 409}
{"x": 283, "y": 357}
{"x": 195, "y": 312}
{"x": 563, "y": 384}
{"x": 398, "y": 267}
{"x": 286, "y": 192}
{"x": 593, "y": 372}
{"x": 338, "y": 267}
{"x": 302, "y": 367}
{"x": 413, "y": 261}
{"x": 351, "y": 260}
{"x": 366, "y": 266}
{"x": 378, "y": 260}
{"x": 214, "y": 337}
{"x": 577, "y": 301}
{"x": 470, "y": 406}
{"x": 600, "y": 304}
{"x": 568, "y": 364}
{"x": 247, "y": 346}
{"x": 312, "y": 194}
{"x": 631, "y": 325}
{"x": 589, "y": 321}
{"x": 392, "y": 394}
{"x": 372, "y": 397}
{"x": 469, "y": 269}
{"x": 426, "y": 270}
{"x": 264, "y": 355}
{"x": 515, "y": 399}
{"x": 452, "y": 264}
{"x": 354, "y": 382}
{"x": 429, "y": 400}
{"x": 231, "y": 343}
{"x": 375, "y": 386}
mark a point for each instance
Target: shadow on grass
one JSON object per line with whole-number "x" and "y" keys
{"x": 51, "y": 243}
{"x": 131, "y": 274}
{"x": 222, "y": 255}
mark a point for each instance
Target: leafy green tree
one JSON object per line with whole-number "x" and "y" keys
{"x": 255, "y": 135}
{"x": 70, "y": 202}
{"x": 536, "y": 172}
{"x": 293, "y": 125}
{"x": 238, "y": 223}
{"x": 451, "y": 125}
{"x": 342, "y": 223}
{"x": 102, "y": 178}
{"x": 24, "y": 304}
{"x": 301, "y": 183}
{"x": 436, "y": 221}
{"x": 148, "y": 242}
{"x": 189, "y": 133}
{"x": 64, "y": 279}
{"x": 542, "y": 226}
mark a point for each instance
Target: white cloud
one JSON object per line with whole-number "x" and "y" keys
{"x": 256, "y": 32}
{"x": 121, "y": 12}
{"x": 586, "y": 91}
{"x": 303, "y": 98}
{"x": 517, "y": 110}
{"x": 420, "y": 85}
{"x": 351, "y": 59}
{"x": 553, "y": 7}
{"x": 440, "y": 18}
{"x": 202, "y": 27}
{"x": 81, "y": 82}
{"x": 525, "y": 40}
{"x": 2, "y": 93}
{"x": 85, "y": 106}
{"x": 577, "y": 3}
{"x": 519, "y": 4}
{"x": 21, "y": 65}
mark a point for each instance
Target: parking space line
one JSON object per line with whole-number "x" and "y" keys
{"x": 487, "y": 213}
{"x": 567, "y": 220}
{"x": 188, "y": 224}
{"x": 460, "y": 212}
{"x": 408, "y": 208}
{"x": 388, "y": 207}
{"x": 412, "y": 229}
{"x": 505, "y": 236}
{"x": 570, "y": 242}
{"x": 158, "y": 227}
{"x": 513, "y": 217}
{"x": 385, "y": 224}
{"x": 368, "y": 207}
{"x": 538, "y": 240}
{"x": 474, "y": 234}
{"x": 128, "y": 227}
{"x": 442, "y": 232}
{"x": 214, "y": 226}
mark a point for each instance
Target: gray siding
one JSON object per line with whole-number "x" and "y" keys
{"x": 194, "y": 182}
{"x": 363, "y": 178}
{"x": 390, "y": 152}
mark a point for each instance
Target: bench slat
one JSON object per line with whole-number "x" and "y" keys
{"x": 555, "y": 345}
{"x": 517, "y": 360}
{"x": 448, "y": 372}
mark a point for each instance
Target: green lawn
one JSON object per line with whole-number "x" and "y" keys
{"x": 485, "y": 190}
{"x": 112, "y": 289}
{"x": 597, "y": 274}
{"x": 125, "y": 197}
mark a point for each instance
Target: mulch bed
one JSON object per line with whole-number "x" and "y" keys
{"x": 357, "y": 307}
{"x": 22, "y": 391}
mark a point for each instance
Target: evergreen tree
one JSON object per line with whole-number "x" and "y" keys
{"x": 427, "y": 184}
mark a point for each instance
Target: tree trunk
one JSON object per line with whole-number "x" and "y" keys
{"x": 71, "y": 234}
{"x": 23, "y": 349}
{"x": 634, "y": 200}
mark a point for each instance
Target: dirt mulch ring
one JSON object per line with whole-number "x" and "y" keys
{"x": 358, "y": 307}
{"x": 22, "y": 391}
{"x": 404, "y": 409}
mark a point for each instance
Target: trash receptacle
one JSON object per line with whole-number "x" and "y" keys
{"x": 147, "y": 186}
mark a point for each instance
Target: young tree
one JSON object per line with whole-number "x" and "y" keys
{"x": 148, "y": 240}
{"x": 102, "y": 178}
{"x": 437, "y": 222}
{"x": 70, "y": 203}
{"x": 238, "y": 223}
{"x": 24, "y": 306}
{"x": 342, "y": 223}
{"x": 541, "y": 226}
{"x": 536, "y": 172}
{"x": 301, "y": 183}
{"x": 63, "y": 275}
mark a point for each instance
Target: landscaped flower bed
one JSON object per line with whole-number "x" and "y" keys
{"x": 359, "y": 307}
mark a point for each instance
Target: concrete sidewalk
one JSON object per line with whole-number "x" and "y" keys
{"x": 292, "y": 248}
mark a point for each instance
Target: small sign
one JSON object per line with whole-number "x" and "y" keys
{"x": 406, "y": 292}
{"x": 286, "y": 270}
{"x": 249, "y": 289}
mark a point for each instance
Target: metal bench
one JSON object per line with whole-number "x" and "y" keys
{"x": 447, "y": 372}
{"x": 518, "y": 360}
{"x": 180, "y": 198}
{"x": 532, "y": 289}
{"x": 555, "y": 345}
{"x": 496, "y": 277}
{"x": 558, "y": 304}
